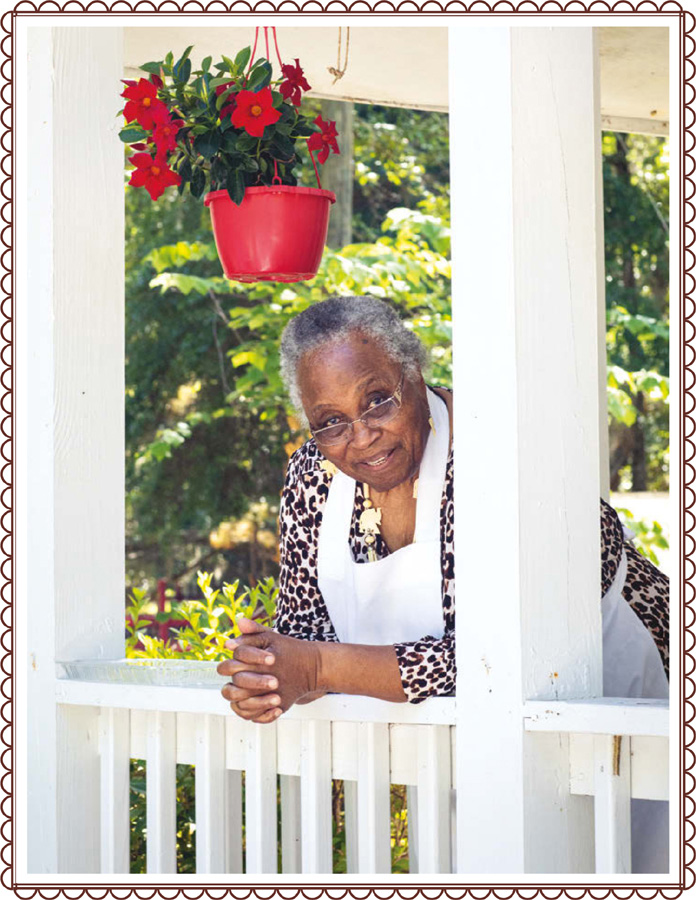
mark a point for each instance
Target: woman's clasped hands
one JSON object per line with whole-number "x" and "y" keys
{"x": 269, "y": 672}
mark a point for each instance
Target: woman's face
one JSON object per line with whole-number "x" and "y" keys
{"x": 340, "y": 382}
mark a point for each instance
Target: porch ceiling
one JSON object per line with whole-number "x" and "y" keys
{"x": 408, "y": 66}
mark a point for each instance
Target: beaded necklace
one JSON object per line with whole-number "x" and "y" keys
{"x": 371, "y": 516}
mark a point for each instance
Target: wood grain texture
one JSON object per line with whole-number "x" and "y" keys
{"x": 210, "y": 795}
{"x": 315, "y": 787}
{"x": 612, "y": 804}
{"x": 160, "y": 774}
{"x": 525, "y": 263}
{"x": 88, "y": 309}
{"x": 78, "y": 204}
{"x": 34, "y": 473}
{"x": 114, "y": 796}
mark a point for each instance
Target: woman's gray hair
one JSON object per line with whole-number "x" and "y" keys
{"x": 334, "y": 319}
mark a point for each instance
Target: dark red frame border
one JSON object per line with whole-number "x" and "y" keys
{"x": 686, "y": 399}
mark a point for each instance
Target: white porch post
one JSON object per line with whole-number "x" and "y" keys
{"x": 524, "y": 131}
{"x": 75, "y": 398}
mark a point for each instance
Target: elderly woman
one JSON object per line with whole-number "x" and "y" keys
{"x": 366, "y": 603}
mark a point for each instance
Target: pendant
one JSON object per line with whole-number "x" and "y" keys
{"x": 370, "y": 520}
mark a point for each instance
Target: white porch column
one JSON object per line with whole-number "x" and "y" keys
{"x": 75, "y": 424}
{"x": 524, "y": 131}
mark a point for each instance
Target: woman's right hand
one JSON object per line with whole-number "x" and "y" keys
{"x": 251, "y": 695}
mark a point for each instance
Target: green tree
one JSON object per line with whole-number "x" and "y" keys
{"x": 636, "y": 201}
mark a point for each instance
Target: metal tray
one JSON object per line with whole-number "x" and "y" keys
{"x": 165, "y": 672}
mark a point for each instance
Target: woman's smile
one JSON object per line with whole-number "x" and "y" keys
{"x": 380, "y": 460}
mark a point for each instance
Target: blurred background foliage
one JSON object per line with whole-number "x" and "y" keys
{"x": 209, "y": 428}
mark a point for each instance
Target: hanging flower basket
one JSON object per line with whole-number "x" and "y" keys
{"x": 276, "y": 233}
{"x": 230, "y": 131}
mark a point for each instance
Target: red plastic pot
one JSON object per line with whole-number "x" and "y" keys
{"x": 276, "y": 233}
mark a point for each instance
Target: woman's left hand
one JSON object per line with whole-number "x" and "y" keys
{"x": 262, "y": 657}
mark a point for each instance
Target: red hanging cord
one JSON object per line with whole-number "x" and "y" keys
{"x": 265, "y": 34}
{"x": 316, "y": 171}
{"x": 276, "y": 178}
{"x": 253, "y": 54}
{"x": 275, "y": 39}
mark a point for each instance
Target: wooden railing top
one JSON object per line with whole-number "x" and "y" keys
{"x": 207, "y": 700}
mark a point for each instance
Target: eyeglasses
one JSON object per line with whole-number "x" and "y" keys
{"x": 374, "y": 417}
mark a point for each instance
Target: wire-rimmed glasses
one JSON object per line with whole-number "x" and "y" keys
{"x": 374, "y": 417}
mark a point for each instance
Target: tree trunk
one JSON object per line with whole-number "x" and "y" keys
{"x": 620, "y": 451}
{"x": 338, "y": 172}
{"x": 639, "y": 481}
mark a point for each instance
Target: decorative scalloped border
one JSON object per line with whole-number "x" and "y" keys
{"x": 687, "y": 427}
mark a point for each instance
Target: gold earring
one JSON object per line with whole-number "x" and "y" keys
{"x": 432, "y": 425}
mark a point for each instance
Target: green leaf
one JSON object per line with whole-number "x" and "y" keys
{"x": 246, "y": 142}
{"x": 152, "y": 67}
{"x": 198, "y": 182}
{"x": 260, "y": 77}
{"x": 205, "y": 65}
{"x": 185, "y": 170}
{"x": 207, "y": 144}
{"x": 303, "y": 131}
{"x": 251, "y": 357}
{"x": 223, "y": 98}
{"x": 278, "y": 99}
{"x": 182, "y": 72}
{"x": 228, "y": 62}
{"x": 283, "y": 146}
{"x": 184, "y": 56}
{"x": 131, "y": 134}
{"x": 241, "y": 60}
{"x": 229, "y": 141}
{"x": 235, "y": 186}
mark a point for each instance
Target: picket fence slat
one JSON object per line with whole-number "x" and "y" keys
{"x": 315, "y": 768}
{"x": 649, "y": 766}
{"x": 350, "y": 822}
{"x": 210, "y": 771}
{"x": 344, "y": 750}
{"x": 374, "y": 849}
{"x": 434, "y": 781}
{"x": 114, "y": 746}
{"x": 233, "y": 822}
{"x": 290, "y": 824}
{"x": 261, "y": 800}
{"x": 412, "y": 806}
{"x": 161, "y": 792}
{"x": 612, "y": 804}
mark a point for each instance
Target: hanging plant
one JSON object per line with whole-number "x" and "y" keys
{"x": 233, "y": 132}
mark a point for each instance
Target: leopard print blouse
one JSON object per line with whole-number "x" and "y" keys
{"x": 427, "y": 665}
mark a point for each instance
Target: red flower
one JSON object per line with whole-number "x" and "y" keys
{"x": 164, "y": 134}
{"x": 231, "y": 104}
{"x": 324, "y": 142}
{"x": 254, "y": 111}
{"x": 295, "y": 83}
{"x": 143, "y": 105}
{"x": 152, "y": 174}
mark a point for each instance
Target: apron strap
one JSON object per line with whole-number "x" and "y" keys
{"x": 433, "y": 471}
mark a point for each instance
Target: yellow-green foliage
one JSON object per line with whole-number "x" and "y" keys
{"x": 210, "y": 622}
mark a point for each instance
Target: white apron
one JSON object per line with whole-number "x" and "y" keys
{"x": 398, "y": 598}
{"x": 633, "y": 668}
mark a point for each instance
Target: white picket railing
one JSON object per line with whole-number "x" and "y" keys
{"x": 368, "y": 744}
